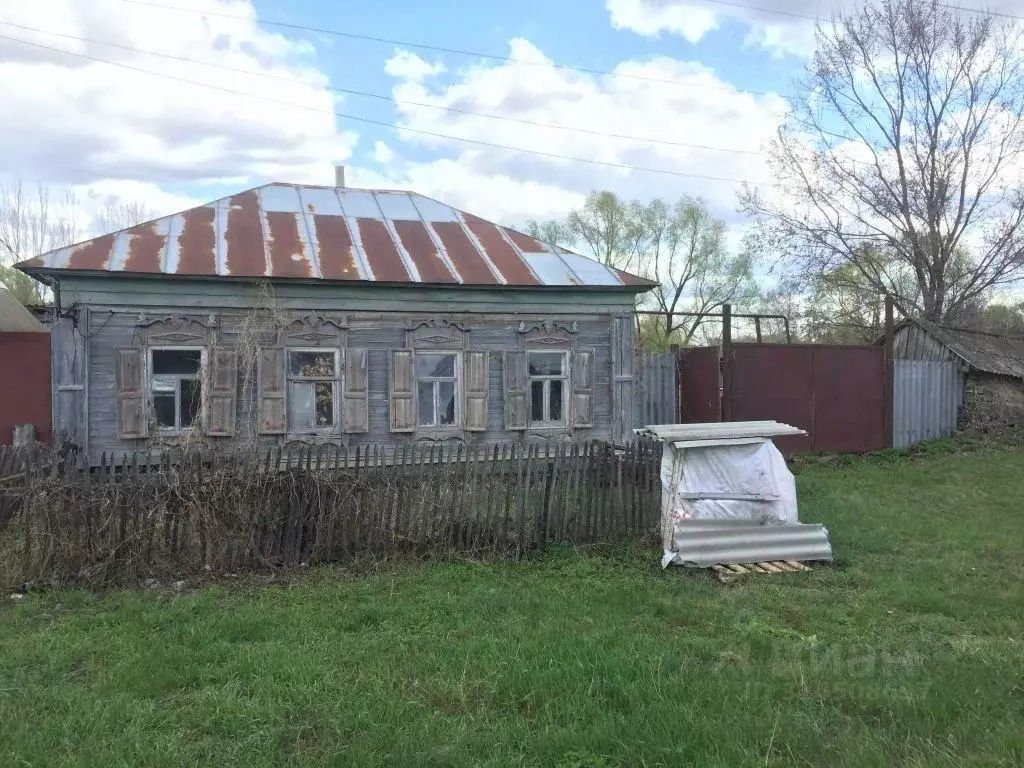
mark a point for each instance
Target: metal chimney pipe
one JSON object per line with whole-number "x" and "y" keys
{"x": 339, "y": 176}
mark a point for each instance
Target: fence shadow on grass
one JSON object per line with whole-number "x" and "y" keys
{"x": 143, "y": 514}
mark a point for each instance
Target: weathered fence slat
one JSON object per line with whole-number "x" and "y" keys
{"x": 168, "y": 512}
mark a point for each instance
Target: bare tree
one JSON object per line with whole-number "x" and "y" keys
{"x": 901, "y": 156}
{"x": 32, "y": 222}
{"x": 117, "y": 214}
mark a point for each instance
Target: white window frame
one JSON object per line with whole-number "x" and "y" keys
{"x": 456, "y": 378}
{"x": 564, "y": 377}
{"x": 336, "y": 384}
{"x": 199, "y": 376}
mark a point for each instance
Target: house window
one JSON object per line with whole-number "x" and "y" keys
{"x": 312, "y": 389}
{"x": 548, "y": 375}
{"x": 177, "y": 387}
{"x": 437, "y": 389}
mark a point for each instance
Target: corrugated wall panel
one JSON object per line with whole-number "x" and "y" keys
{"x": 926, "y": 399}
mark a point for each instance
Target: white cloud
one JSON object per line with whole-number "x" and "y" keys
{"x": 779, "y": 26}
{"x": 408, "y": 66}
{"x": 83, "y": 123}
{"x": 700, "y": 108}
{"x": 382, "y": 153}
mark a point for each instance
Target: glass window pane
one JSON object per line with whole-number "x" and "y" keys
{"x": 311, "y": 364}
{"x": 180, "y": 361}
{"x": 432, "y": 365}
{"x": 163, "y": 409}
{"x": 537, "y": 400}
{"x": 446, "y": 401}
{"x": 167, "y": 384}
{"x": 300, "y": 405}
{"x": 555, "y": 404}
{"x": 546, "y": 363}
{"x": 191, "y": 401}
{"x": 324, "y": 404}
{"x": 425, "y": 391}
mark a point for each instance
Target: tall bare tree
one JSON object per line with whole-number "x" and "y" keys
{"x": 32, "y": 222}
{"x": 117, "y": 214}
{"x": 901, "y": 156}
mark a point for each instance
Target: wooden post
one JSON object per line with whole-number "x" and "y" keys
{"x": 890, "y": 331}
{"x": 726, "y": 404}
{"x": 757, "y": 329}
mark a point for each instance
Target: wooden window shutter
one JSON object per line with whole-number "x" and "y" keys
{"x": 222, "y": 398}
{"x": 132, "y": 423}
{"x": 516, "y": 380}
{"x": 474, "y": 381}
{"x": 401, "y": 397}
{"x": 582, "y": 370}
{"x": 272, "y": 382}
{"x": 356, "y": 408}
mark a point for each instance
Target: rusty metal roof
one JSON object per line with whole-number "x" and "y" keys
{"x": 335, "y": 233}
{"x": 988, "y": 352}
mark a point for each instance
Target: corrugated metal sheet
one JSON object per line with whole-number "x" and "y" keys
{"x": 926, "y": 400}
{"x": 722, "y": 430}
{"x": 703, "y": 543}
{"x": 14, "y": 317}
{"x": 987, "y": 352}
{"x": 331, "y": 233}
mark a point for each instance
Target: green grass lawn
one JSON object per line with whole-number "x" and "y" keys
{"x": 908, "y": 652}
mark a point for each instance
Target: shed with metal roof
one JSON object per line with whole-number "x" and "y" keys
{"x": 297, "y": 313}
{"x": 990, "y": 391}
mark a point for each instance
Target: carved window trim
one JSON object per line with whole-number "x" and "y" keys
{"x": 314, "y": 330}
{"x": 436, "y": 333}
{"x": 549, "y": 336}
{"x": 177, "y": 330}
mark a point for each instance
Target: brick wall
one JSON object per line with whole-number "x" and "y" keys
{"x": 992, "y": 402}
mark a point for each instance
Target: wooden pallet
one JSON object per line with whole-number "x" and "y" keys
{"x": 775, "y": 566}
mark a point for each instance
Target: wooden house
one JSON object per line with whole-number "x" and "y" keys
{"x": 311, "y": 314}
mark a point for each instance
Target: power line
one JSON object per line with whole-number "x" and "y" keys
{"x": 1001, "y": 14}
{"x": 383, "y": 97}
{"x": 457, "y": 51}
{"x": 753, "y": 8}
{"x": 382, "y": 123}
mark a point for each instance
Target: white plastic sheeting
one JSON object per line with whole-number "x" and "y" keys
{"x": 734, "y": 474}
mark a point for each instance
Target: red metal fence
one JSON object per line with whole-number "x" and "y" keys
{"x": 24, "y": 383}
{"x": 700, "y": 385}
{"x": 836, "y": 393}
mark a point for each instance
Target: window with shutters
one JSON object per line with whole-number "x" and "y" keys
{"x": 176, "y": 386}
{"x": 437, "y": 389}
{"x": 549, "y": 374}
{"x": 312, "y": 389}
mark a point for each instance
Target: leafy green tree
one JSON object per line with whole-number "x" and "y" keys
{"x": 679, "y": 246}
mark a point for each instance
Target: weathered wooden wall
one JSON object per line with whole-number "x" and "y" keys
{"x": 602, "y": 322}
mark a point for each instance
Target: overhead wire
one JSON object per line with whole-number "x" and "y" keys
{"x": 382, "y": 123}
{"x": 456, "y": 51}
{"x": 383, "y": 97}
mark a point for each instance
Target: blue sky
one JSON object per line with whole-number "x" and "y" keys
{"x": 177, "y": 102}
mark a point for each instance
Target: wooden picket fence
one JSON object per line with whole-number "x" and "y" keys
{"x": 141, "y": 515}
